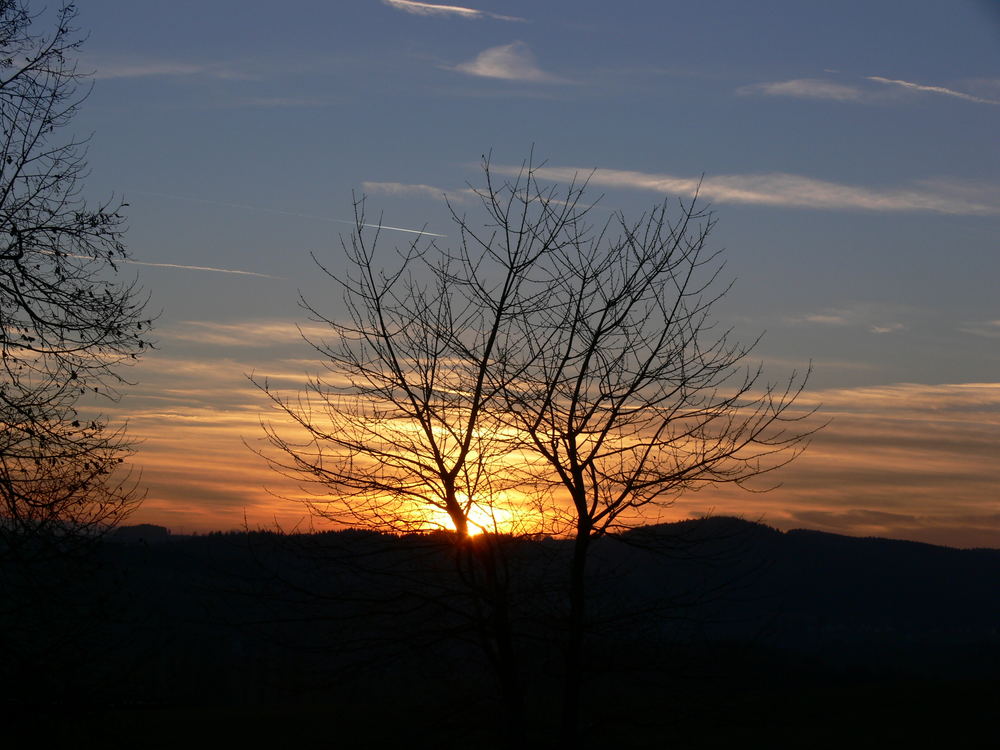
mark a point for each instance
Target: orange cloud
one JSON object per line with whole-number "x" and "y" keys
{"x": 910, "y": 461}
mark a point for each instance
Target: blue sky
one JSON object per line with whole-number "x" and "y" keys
{"x": 849, "y": 149}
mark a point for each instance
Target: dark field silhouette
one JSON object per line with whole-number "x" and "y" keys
{"x": 701, "y": 633}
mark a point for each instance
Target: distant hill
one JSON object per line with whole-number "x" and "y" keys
{"x": 142, "y": 532}
{"x": 813, "y": 586}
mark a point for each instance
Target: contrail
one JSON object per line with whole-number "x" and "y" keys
{"x": 933, "y": 89}
{"x": 170, "y": 265}
{"x": 283, "y": 213}
{"x": 201, "y": 268}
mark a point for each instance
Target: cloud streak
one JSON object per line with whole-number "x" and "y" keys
{"x": 508, "y": 62}
{"x": 792, "y": 191}
{"x": 420, "y": 190}
{"x": 876, "y": 318}
{"x": 986, "y": 328}
{"x": 453, "y": 11}
{"x": 907, "y": 460}
{"x": 805, "y": 88}
{"x": 819, "y": 88}
{"x": 110, "y": 68}
{"x": 252, "y": 333}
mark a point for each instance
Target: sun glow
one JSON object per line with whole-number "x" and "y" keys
{"x": 506, "y": 512}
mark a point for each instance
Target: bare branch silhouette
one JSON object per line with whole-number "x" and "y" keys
{"x": 67, "y": 324}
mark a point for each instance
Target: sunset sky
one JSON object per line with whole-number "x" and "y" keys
{"x": 850, "y": 151}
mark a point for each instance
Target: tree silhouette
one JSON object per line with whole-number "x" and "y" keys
{"x": 626, "y": 388}
{"x": 404, "y": 433}
{"x": 66, "y": 323}
{"x": 546, "y": 374}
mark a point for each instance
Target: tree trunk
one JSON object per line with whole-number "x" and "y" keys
{"x": 575, "y": 628}
{"x": 511, "y": 690}
{"x": 498, "y": 635}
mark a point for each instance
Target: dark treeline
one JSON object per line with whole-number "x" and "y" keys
{"x": 700, "y": 632}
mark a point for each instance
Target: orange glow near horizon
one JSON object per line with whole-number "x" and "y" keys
{"x": 906, "y": 461}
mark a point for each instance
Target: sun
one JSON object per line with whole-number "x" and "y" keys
{"x": 502, "y": 515}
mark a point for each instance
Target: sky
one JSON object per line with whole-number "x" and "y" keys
{"x": 849, "y": 151}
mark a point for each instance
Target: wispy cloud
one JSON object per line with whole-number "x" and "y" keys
{"x": 510, "y": 62}
{"x": 924, "y": 88}
{"x": 118, "y": 67}
{"x": 886, "y": 328}
{"x": 986, "y": 328}
{"x": 426, "y": 191}
{"x": 963, "y": 529}
{"x": 454, "y": 11}
{"x": 819, "y": 88}
{"x": 795, "y": 191}
{"x": 876, "y": 318}
{"x": 146, "y": 69}
{"x": 906, "y": 460}
{"x": 251, "y": 333}
{"x": 826, "y": 319}
{"x": 805, "y": 88}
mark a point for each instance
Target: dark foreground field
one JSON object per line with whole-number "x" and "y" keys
{"x": 704, "y": 634}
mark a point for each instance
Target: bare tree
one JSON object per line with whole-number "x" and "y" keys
{"x": 66, "y": 322}
{"x": 571, "y": 366}
{"x": 403, "y": 433}
{"x": 626, "y": 387}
